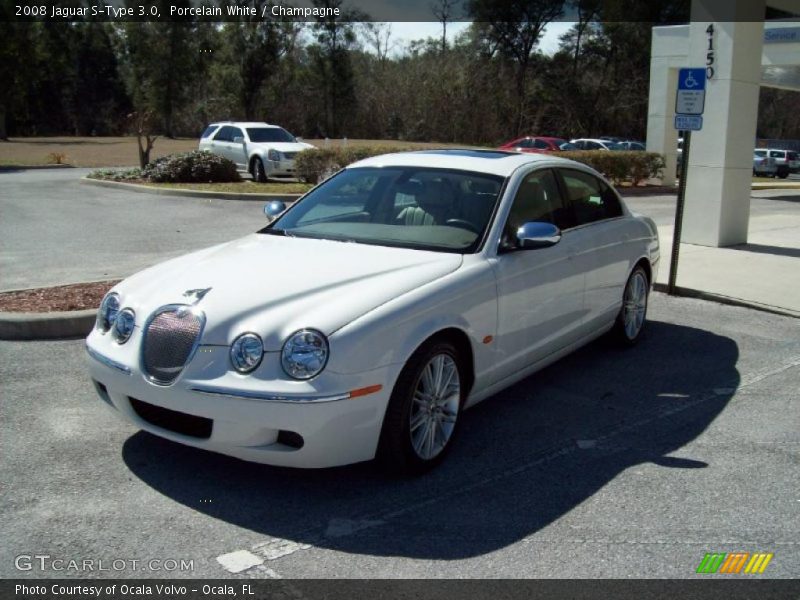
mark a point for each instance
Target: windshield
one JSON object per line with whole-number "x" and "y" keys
{"x": 565, "y": 145}
{"x": 410, "y": 207}
{"x": 269, "y": 134}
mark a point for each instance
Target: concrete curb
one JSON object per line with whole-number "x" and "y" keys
{"x": 46, "y": 326}
{"x": 146, "y": 189}
{"x": 777, "y": 185}
{"x": 33, "y": 167}
{"x": 728, "y": 300}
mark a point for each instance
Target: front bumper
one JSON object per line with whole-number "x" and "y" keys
{"x": 213, "y": 408}
{"x": 280, "y": 168}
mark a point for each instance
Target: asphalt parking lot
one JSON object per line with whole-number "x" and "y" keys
{"x": 607, "y": 464}
{"x": 55, "y": 230}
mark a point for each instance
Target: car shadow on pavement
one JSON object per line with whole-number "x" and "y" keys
{"x": 525, "y": 457}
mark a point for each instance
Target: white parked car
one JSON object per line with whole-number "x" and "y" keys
{"x": 261, "y": 149}
{"x": 596, "y": 144}
{"x": 362, "y": 320}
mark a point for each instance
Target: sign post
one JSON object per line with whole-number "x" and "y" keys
{"x": 690, "y": 100}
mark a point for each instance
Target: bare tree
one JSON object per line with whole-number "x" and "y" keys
{"x": 378, "y": 38}
{"x": 142, "y": 125}
{"x": 444, "y": 11}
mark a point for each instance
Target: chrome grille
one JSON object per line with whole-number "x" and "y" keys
{"x": 171, "y": 336}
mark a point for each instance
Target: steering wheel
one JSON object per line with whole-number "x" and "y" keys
{"x": 462, "y": 224}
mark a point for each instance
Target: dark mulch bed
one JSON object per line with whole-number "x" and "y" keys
{"x": 76, "y": 296}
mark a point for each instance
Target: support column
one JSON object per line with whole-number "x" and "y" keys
{"x": 718, "y": 186}
{"x": 661, "y": 134}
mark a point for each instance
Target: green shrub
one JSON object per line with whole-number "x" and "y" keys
{"x": 116, "y": 174}
{"x": 619, "y": 166}
{"x": 191, "y": 167}
{"x": 313, "y": 166}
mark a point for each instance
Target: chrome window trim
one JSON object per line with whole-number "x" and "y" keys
{"x": 199, "y": 314}
{"x": 266, "y": 396}
{"x": 107, "y": 361}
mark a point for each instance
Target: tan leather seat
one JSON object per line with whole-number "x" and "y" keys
{"x": 434, "y": 206}
{"x": 529, "y": 205}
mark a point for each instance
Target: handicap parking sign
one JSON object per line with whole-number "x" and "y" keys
{"x": 691, "y": 96}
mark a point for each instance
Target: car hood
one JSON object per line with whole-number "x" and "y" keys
{"x": 280, "y": 146}
{"x": 274, "y": 285}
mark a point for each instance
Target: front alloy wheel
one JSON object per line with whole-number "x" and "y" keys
{"x": 421, "y": 419}
{"x": 435, "y": 405}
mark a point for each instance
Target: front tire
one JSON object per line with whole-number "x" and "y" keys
{"x": 422, "y": 418}
{"x": 259, "y": 173}
{"x": 633, "y": 313}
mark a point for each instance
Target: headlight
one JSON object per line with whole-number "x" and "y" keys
{"x": 246, "y": 352}
{"x": 109, "y": 308}
{"x": 273, "y": 155}
{"x": 304, "y": 354}
{"x": 123, "y": 325}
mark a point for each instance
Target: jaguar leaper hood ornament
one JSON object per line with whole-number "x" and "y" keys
{"x": 194, "y": 296}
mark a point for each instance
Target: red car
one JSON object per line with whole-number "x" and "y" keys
{"x": 538, "y": 144}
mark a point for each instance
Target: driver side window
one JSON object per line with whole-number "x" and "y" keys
{"x": 537, "y": 199}
{"x": 224, "y": 134}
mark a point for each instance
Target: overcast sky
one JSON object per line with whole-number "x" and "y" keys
{"x": 403, "y": 33}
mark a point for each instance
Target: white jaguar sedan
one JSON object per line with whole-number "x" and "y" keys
{"x": 363, "y": 320}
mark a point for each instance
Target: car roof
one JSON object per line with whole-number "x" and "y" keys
{"x": 598, "y": 140}
{"x": 244, "y": 124}
{"x": 493, "y": 162}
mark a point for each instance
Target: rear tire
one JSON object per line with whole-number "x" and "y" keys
{"x": 259, "y": 173}
{"x": 422, "y": 418}
{"x": 633, "y": 312}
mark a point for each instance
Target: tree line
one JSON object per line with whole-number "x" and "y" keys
{"x": 347, "y": 77}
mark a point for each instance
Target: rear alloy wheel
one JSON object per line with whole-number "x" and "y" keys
{"x": 259, "y": 173}
{"x": 632, "y": 315}
{"x": 422, "y": 417}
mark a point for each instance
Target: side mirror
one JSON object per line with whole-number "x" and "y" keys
{"x": 298, "y": 139}
{"x": 238, "y": 140}
{"x": 537, "y": 234}
{"x": 273, "y": 209}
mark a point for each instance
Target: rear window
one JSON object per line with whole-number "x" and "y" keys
{"x": 209, "y": 131}
{"x": 792, "y": 156}
{"x": 761, "y": 153}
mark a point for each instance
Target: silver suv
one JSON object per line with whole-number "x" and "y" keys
{"x": 261, "y": 149}
{"x": 788, "y": 161}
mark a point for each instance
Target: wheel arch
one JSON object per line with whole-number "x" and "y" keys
{"x": 251, "y": 161}
{"x": 463, "y": 344}
{"x": 648, "y": 269}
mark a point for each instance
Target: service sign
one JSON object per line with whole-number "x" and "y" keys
{"x": 688, "y": 123}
